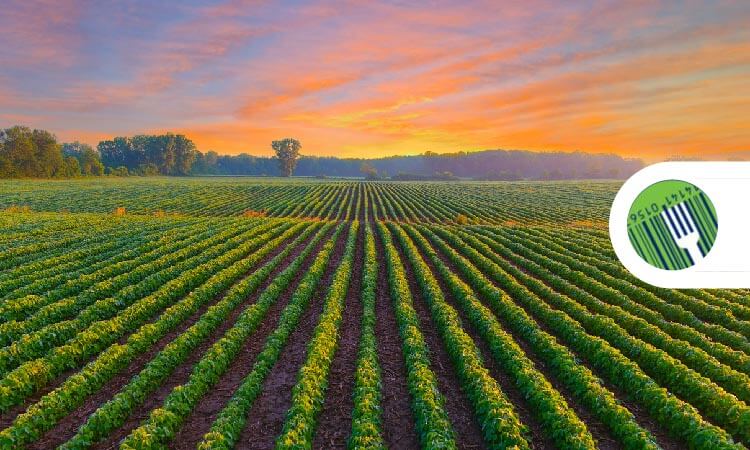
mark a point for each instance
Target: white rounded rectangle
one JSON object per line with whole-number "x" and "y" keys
{"x": 727, "y": 264}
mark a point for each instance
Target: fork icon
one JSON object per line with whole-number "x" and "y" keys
{"x": 684, "y": 232}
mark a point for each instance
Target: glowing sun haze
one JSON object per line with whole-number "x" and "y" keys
{"x": 646, "y": 79}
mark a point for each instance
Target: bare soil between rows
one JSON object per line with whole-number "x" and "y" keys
{"x": 199, "y": 422}
{"x": 268, "y": 412}
{"x": 336, "y": 416}
{"x": 399, "y": 427}
{"x": 665, "y": 440}
{"x": 459, "y": 409}
{"x": 67, "y": 427}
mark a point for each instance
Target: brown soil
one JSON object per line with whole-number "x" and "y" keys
{"x": 458, "y": 407}
{"x": 67, "y": 427}
{"x": 198, "y": 423}
{"x": 373, "y": 207}
{"x": 336, "y": 416}
{"x": 361, "y": 210}
{"x": 329, "y": 208}
{"x": 537, "y": 435}
{"x": 266, "y": 416}
{"x": 642, "y": 417}
{"x": 8, "y": 417}
{"x": 399, "y": 428}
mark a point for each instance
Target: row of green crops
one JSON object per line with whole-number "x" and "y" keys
{"x": 166, "y": 281}
{"x": 599, "y": 299}
{"x": 31, "y": 314}
{"x": 675, "y": 415}
{"x": 308, "y": 394}
{"x": 720, "y": 406}
{"x": 499, "y": 422}
{"x": 553, "y": 412}
{"x": 225, "y": 430}
{"x": 428, "y": 405}
{"x": 480, "y": 202}
{"x": 164, "y": 421}
{"x": 367, "y": 430}
{"x": 585, "y": 386}
{"x": 726, "y": 346}
{"x": 35, "y": 373}
{"x": 74, "y": 391}
{"x": 549, "y": 341}
{"x": 60, "y": 307}
{"x": 62, "y": 265}
{"x": 112, "y": 414}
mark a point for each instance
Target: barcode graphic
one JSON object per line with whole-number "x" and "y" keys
{"x": 654, "y": 243}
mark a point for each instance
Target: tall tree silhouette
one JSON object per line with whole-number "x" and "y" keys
{"x": 287, "y": 151}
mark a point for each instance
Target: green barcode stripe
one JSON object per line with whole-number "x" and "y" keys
{"x": 654, "y": 242}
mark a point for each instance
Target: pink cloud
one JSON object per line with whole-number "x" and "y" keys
{"x": 40, "y": 33}
{"x": 383, "y": 77}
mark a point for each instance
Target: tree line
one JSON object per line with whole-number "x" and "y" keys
{"x": 34, "y": 153}
{"x": 166, "y": 154}
{"x": 490, "y": 165}
{"x": 27, "y": 153}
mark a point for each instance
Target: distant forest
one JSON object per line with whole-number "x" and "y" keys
{"x": 480, "y": 165}
{"x": 27, "y": 153}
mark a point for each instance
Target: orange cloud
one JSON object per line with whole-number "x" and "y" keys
{"x": 372, "y": 78}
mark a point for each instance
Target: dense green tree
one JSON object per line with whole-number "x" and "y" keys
{"x": 17, "y": 157}
{"x": 171, "y": 154}
{"x": 48, "y": 158}
{"x": 205, "y": 164}
{"x": 30, "y": 153}
{"x": 115, "y": 152}
{"x": 184, "y": 155}
{"x": 71, "y": 167}
{"x": 88, "y": 158}
{"x": 287, "y": 152}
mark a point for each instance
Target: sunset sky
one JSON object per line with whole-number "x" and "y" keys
{"x": 372, "y": 78}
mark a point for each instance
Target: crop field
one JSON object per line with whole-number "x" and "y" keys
{"x": 482, "y": 202}
{"x": 248, "y": 313}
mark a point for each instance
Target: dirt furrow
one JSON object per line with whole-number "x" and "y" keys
{"x": 203, "y": 415}
{"x": 399, "y": 430}
{"x": 539, "y": 438}
{"x": 266, "y": 417}
{"x": 642, "y": 417}
{"x": 183, "y": 371}
{"x": 336, "y": 416}
{"x": 460, "y": 411}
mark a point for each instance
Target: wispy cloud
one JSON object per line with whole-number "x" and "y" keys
{"x": 40, "y": 34}
{"x": 639, "y": 78}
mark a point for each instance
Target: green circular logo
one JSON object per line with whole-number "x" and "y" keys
{"x": 672, "y": 225}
